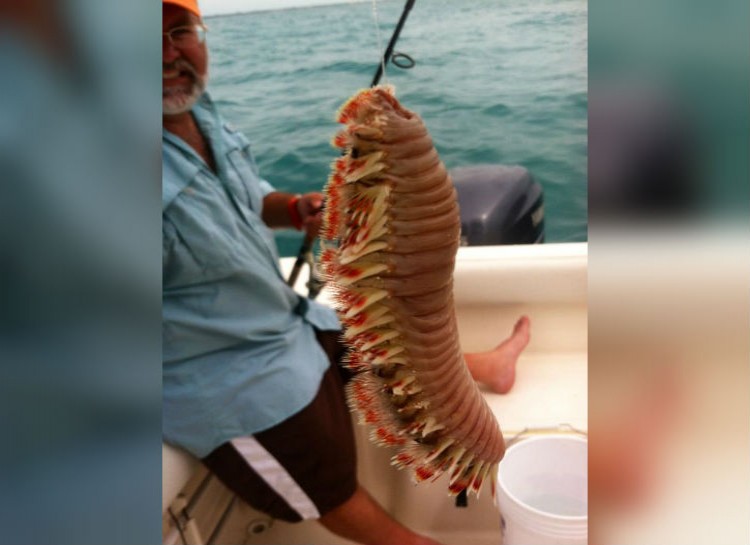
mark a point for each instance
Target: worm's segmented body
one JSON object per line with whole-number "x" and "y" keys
{"x": 392, "y": 231}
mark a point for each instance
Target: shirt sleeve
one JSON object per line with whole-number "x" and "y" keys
{"x": 266, "y": 187}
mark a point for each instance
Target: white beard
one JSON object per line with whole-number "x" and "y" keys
{"x": 180, "y": 100}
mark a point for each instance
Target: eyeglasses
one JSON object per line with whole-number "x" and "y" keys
{"x": 186, "y": 36}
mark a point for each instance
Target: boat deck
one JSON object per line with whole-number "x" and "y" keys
{"x": 493, "y": 287}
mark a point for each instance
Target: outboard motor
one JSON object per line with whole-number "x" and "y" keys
{"x": 499, "y": 204}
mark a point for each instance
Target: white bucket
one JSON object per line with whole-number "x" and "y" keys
{"x": 542, "y": 491}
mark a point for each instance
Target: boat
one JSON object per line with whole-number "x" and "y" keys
{"x": 503, "y": 270}
{"x": 494, "y": 285}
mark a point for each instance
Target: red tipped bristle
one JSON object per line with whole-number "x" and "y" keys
{"x": 404, "y": 458}
{"x": 364, "y": 338}
{"x": 356, "y": 320}
{"x": 332, "y": 208}
{"x": 360, "y": 204}
{"x": 363, "y": 389}
{"x": 457, "y": 487}
{"x": 328, "y": 232}
{"x": 349, "y": 239}
{"x": 341, "y": 164}
{"x": 363, "y": 233}
{"x": 333, "y": 182}
{"x": 330, "y": 227}
{"x": 333, "y": 196}
{"x": 328, "y": 256}
{"x": 347, "y": 114}
{"x": 351, "y": 298}
{"x": 396, "y": 384}
{"x": 350, "y": 110}
{"x": 329, "y": 270}
{"x": 351, "y": 203}
{"x": 348, "y": 296}
{"x": 348, "y": 272}
{"x": 372, "y": 416}
{"x": 354, "y": 164}
{"x": 414, "y": 427}
{"x": 423, "y": 473}
{"x": 387, "y": 437}
{"x": 354, "y": 362}
{"x": 354, "y": 229}
{"x": 363, "y": 205}
{"x": 362, "y": 396}
{"x": 341, "y": 140}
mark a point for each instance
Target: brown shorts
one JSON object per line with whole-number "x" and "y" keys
{"x": 303, "y": 467}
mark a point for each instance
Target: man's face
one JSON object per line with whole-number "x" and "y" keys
{"x": 184, "y": 69}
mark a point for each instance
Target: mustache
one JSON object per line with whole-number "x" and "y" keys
{"x": 181, "y": 64}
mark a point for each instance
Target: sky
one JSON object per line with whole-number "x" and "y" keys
{"x": 218, "y": 7}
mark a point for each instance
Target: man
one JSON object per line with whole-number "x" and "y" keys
{"x": 251, "y": 382}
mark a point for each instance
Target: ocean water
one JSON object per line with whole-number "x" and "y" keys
{"x": 496, "y": 81}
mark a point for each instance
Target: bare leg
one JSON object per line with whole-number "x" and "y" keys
{"x": 497, "y": 368}
{"x": 361, "y": 519}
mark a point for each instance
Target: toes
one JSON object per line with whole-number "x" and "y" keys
{"x": 522, "y": 325}
{"x": 518, "y": 340}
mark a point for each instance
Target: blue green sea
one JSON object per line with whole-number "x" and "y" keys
{"x": 496, "y": 81}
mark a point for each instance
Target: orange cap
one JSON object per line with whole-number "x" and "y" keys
{"x": 190, "y": 5}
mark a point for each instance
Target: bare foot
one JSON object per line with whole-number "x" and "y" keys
{"x": 497, "y": 368}
{"x": 362, "y": 520}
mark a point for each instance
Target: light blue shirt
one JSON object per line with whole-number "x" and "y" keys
{"x": 239, "y": 348}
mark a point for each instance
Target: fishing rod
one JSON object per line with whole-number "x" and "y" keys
{"x": 389, "y": 55}
{"x": 305, "y": 254}
{"x": 305, "y": 257}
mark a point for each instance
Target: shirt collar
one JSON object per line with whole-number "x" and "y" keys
{"x": 180, "y": 163}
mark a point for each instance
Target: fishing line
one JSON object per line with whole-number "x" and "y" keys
{"x": 402, "y": 60}
{"x": 379, "y": 36}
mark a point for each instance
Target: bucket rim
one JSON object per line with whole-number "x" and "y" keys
{"x": 551, "y": 517}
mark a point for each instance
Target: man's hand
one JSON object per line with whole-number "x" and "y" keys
{"x": 310, "y": 208}
{"x": 303, "y": 212}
